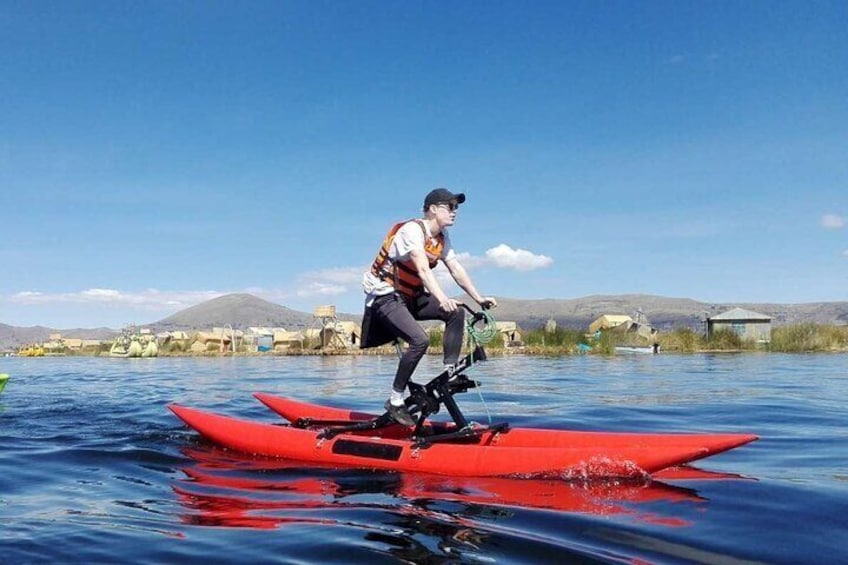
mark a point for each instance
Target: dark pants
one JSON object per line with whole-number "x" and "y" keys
{"x": 398, "y": 316}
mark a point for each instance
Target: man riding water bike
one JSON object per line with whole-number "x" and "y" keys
{"x": 401, "y": 288}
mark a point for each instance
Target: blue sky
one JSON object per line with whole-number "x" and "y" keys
{"x": 157, "y": 154}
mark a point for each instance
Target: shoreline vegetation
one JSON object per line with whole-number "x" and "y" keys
{"x": 797, "y": 338}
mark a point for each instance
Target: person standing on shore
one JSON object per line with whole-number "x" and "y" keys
{"x": 401, "y": 288}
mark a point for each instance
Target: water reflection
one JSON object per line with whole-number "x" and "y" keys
{"x": 221, "y": 488}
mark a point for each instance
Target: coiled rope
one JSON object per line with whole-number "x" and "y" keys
{"x": 482, "y": 336}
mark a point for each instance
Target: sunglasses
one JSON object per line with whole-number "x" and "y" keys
{"x": 452, "y": 206}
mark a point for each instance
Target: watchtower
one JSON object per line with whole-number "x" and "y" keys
{"x": 329, "y": 330}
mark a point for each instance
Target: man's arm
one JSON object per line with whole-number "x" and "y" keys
{"x": 460, "y": 275}
{"x": 422, "y": 264}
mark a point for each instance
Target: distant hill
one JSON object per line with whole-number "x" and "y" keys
{"x": 12, "y": 337}
{"x": 660, "y": 311}
{"x": 239, "y": 311}
{"x": 244, "y": 310}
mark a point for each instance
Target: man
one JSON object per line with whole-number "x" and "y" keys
{"x": 401, "y": 288}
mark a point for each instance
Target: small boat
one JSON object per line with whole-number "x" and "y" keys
{"x": 31, "y": 351}
{"x": 132, "y": 343}
{"x": 4, "y": 378}
{"x": 647, "y": 349}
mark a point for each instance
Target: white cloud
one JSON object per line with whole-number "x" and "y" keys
{"x": 322, "y": 283}
{"x": 470, "y": 261}
{"x": 845, "y": 253}
{"x": 832, "y": 221}
{"x": 340, "y": 275}
{"x": 106, "y": 293}
{"x": 326, "y": 282}
{"x": 506, "y": 257}
{"x": 27, "y": 296}
{"x": 329, "y": 282}
{"x": 318, "y": 288}
{"x": 150, "y": 299}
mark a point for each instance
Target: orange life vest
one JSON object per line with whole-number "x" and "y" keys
{"x": 402, "y": 274}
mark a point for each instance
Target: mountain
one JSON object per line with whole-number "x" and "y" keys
{"x": 239, "y": 311}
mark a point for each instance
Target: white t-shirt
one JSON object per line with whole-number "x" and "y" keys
{"x": 408, "y": 237}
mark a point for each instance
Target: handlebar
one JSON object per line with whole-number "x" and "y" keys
{"x": 477, "y": 316}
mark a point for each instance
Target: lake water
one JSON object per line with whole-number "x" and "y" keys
{"x": 95, "y": 469}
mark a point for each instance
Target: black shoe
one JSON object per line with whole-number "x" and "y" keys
{"x": 399, "y": 414}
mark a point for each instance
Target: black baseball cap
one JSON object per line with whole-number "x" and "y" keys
{"x": 440, "y": 195}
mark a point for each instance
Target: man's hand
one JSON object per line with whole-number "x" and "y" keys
{"x": 448, "y": 304}
{"x": 488, "y": 302}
